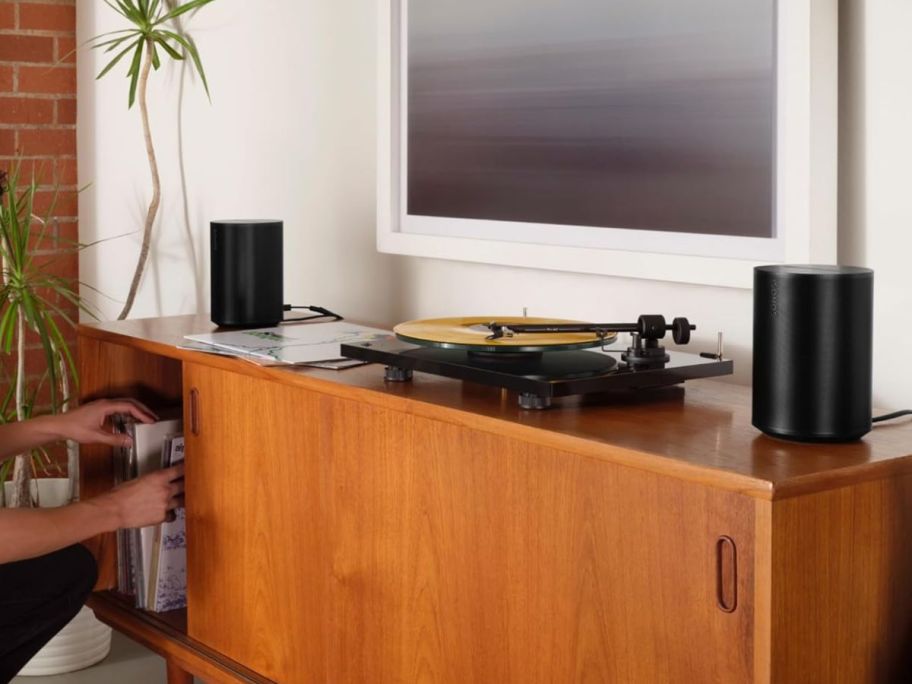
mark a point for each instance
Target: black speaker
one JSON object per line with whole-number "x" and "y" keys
{"x": 812, "y": 352}
{"x": 247, "y": 285}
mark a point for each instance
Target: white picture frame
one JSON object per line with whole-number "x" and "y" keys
{"x": 805, "y": 178}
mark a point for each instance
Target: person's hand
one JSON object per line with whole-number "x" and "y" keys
{"x": 147, "y": 500}
{"x": 88, "y": 424}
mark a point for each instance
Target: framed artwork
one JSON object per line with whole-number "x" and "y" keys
{"x": 685, "y": 141}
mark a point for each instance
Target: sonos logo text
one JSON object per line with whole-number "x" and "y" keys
{"x": 774, "y": 299}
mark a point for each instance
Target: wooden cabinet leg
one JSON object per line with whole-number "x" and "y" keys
{"x": 178, "y": 675}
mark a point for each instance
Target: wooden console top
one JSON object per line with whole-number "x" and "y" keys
{"x": 699, "y": 432}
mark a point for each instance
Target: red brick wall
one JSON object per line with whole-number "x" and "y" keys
{"x": 38, "y": 115}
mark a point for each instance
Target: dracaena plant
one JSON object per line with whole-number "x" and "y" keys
{"x": 146, "y": 42}
{"x": 32, "y": 301}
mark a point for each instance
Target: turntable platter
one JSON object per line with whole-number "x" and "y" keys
{"x": 472, "y": 334}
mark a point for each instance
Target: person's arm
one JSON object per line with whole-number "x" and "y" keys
{"x": 86, "y": 424}
{"x": 29, "y": 532}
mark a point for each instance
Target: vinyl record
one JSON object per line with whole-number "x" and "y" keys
{"x": 471, "y": 333}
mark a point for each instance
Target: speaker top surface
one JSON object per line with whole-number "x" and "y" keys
{"x": 815, "y": 270}
{"x": 245, "y": 222}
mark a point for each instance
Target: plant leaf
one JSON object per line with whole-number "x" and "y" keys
{"x": 133, "y": 12}
{"x": 120, "y": 56}
{"x": 134, "y": 73}
{"x": 129, "y": 11}
{"x": 7, "y": 325}
{"x": 163, "y": 41}
{"x": 60, "y": 346}
{"x": 93, "y": 39}
{"x": 194, "y": 55}
{"x": 117, "y": 8}
{"x": 36, "y": 319}
{"x": 8, "y": 397}
{"x": 97, "y": 44}
{"x": 135, "y": 35}
{"x": 182, "y": 9}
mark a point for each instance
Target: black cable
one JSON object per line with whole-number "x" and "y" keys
{"x": 891, "y": 416}
{"x": 320, "y": 311}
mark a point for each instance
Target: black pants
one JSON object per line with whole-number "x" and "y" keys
{"x": 38, "y": 597}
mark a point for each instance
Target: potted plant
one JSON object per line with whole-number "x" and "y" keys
{"x": 148, "y": 39}
{"x": 32, "y": 303}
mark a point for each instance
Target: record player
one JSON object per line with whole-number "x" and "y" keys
{"x": 542, "y": 359}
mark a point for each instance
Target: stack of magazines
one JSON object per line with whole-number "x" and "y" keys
{"x": 152, "y": 561}
{"x": 301, "y": 344}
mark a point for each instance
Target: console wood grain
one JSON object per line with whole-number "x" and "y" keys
{"x": 344, "y": 529}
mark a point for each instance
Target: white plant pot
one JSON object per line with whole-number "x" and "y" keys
{"x": 51, "y": 491}
{"x": 84, "y": 641}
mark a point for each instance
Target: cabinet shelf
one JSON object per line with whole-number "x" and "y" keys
{"x": 166, "y": 634}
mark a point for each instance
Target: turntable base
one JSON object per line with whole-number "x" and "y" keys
{"x": 538, "y": 378}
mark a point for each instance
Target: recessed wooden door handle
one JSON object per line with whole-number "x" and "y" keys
{"x": 726, "y": 574}
{"x": 194, "y": 412}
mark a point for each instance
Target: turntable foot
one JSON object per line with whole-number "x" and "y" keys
{"x": 396, "y": 374}
{"x": 527, "y": 400}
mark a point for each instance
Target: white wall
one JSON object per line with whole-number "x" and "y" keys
{"x": 290, "y": 134}
{"x": 875, "y": 181}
